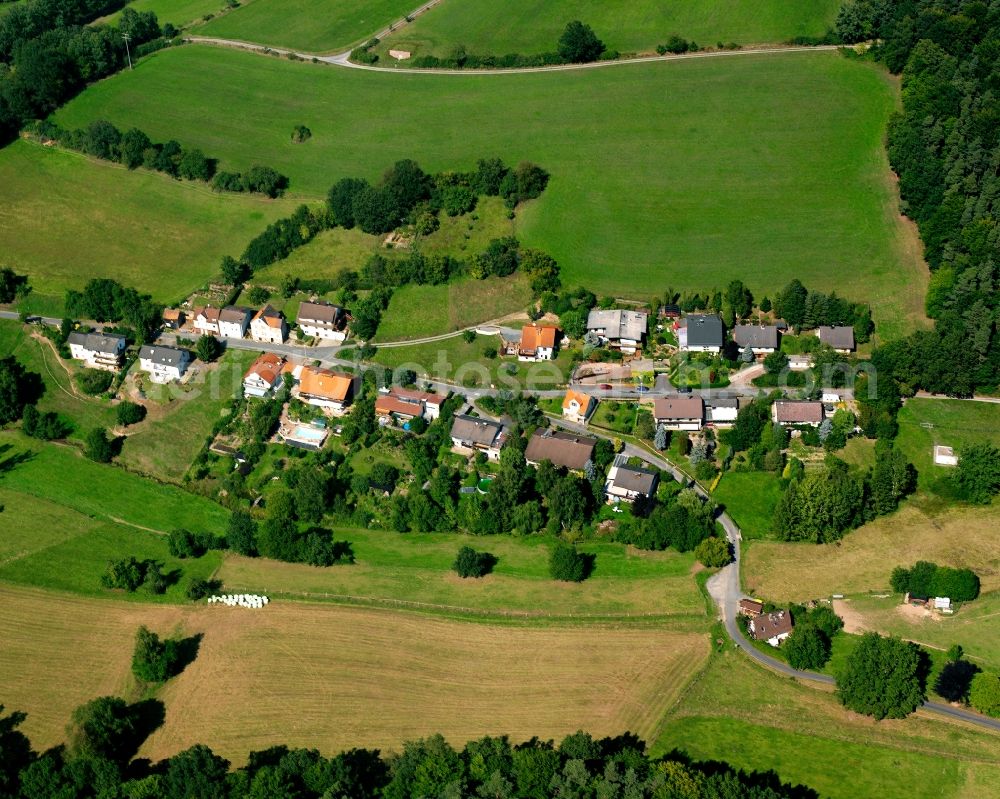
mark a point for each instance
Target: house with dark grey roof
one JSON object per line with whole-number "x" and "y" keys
{"x": 164, "y": 364}
{"x": 628, "y": 483}
{"x": 96, "y": 350}
{"x": 622, "y": 330}
{"x": 703, "y": 333}
{"x": 560, "y": 448}
{"x": 472, "y": 434}
{"x": 323, "y": 321}
{"x": 839, "y": 338}
{"x": 761, "y": 339}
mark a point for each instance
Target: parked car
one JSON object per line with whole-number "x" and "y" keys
{"x": 684, "y": 390}
{"x": 606, "y": 387}
{"x": 642, "y": 389}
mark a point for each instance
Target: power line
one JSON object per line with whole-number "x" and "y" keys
{"x": 126, "y": 37}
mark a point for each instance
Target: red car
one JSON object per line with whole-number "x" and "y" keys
{"x": 606, "y": 387}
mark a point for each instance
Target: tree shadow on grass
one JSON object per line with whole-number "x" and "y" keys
{"x": 186, "y": 652}
{"x": 9, "y": 462}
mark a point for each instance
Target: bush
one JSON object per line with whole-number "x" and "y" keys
{"x": 94, "y": 381}
{"x": 568, "y": 565}
{"x": 185, "y": 544}
{"x": 130, "y": 413}
{"x": 126, "y": 574}
{"x": 713, "y": 552}
{"x": 43, "y": 426}
{"x": 300, "y": 134}
{"x": 927, "y": 579}
{"x": 984, "y": 694}
{"x": 208, "y": 348}
{"x": 470, "y": 563}
{"x": 154, "y": 660}
{"x": 98, "y": 447}
{"x": 201, "y": 588}
{"x": 807, "y": 648}
{"x": 579, "y": 43}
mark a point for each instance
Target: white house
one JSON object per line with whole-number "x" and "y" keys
{"x": 234, "y": 321}
{"x": 322, "y": 320}
{"x": 722, "y": 411}
{"x": 206, "y": 321}
{"x": 405, "y": 404}
{"x": 96, "y": 350}
{"x": 263, "y": 375}
{"x": 621, "y": 330}
{"x": 577, "y": 406}
{"x": 702, "y": 333}
{"x": 269, "y": 325}
{"x": 679, "y": 413}
{"x": 470, "y": 434}
{"x": 771, "y": 627}
{"x": 164, "y": 364}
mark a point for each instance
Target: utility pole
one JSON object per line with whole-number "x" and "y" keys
{"x": 126, "y": 37}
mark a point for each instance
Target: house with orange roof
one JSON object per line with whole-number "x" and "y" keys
{"x": 324, "y": 388}
{"x": 263, "y": 375}
{"x": 269, "y": 325}
{"x": 577, "y": 406}
{"x": 405, "y": 404}
{"x": 538, "y": 343}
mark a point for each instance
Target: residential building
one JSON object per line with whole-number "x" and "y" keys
{"x": 96, "y": 350}
{"x": 206, "y": 321}
{"x": 628, "y": 483}
{"x": 406, "y": 404}
{"x": 751, "y": 608}
{"x": 538, "y": 343}
{"x": 234, "y": 321}
{"x": 269, "y": 325}
{"x": 173, "y": 318}
{"x": 472, "y": 434}
{"x": 795, "y": 412}
{"x": 771, "y": 627}
{"x": 263, "y": 375}
{"x": 721, "y": 411}
{"x": 164, "y": 364}
{"x": 621, "y": 330}
{"x": 679, "y": 413}
{"x": 839, "y": 338}
{"x": 569, "y": 450}
{"x": 577, "y": 406}
{"x": 323, "y": 321}
{"x": 799, "y": 363}
{"x": 703, "y": 333}
{"x": 324, "y": 388}
{"x": 761, "y": 339}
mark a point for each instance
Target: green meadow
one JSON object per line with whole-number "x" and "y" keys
{"x": 312, "y": 25}
{"x": 180, "y": 13}
{"x": 684, "y": 174}
{"x": 529, "y": 26}
{"x": 66, "y": 218}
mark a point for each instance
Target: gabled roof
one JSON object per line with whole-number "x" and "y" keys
{"x": 320, "y": 312}
{"x": 387, "y": 403}
{"x": 581, "y": 399}
{"x": 704, "y": 330}
{"x": 271, "y": 317}
{"x": 97, "y": 342}
{"x": 172, "y": 314}
{"x": 267, "y": 367}
{"x": 798, "y": 412}
{"x": 629, "y": 478}
{"x": 208, "y": 313}
{"x": 164, "y": 356}
{"x": 679, "y": 408}
{"x": 234, "y": 313}
{"x": 323, "y": 383}
{"x": 413, "y": 395}
{"x": 618, "y": 324}
{"x": 535, "y": 336}
{"x": 483, "y": 432}
{"x": 840, "y": 338}
{"x": 752, "y": 606}
{"x": 763, "y": 336}
{"x": 771, "y": 625}
{"x": 562, "y": 449}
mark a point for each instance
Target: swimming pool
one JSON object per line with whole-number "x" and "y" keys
{"x": 308, "y": 433}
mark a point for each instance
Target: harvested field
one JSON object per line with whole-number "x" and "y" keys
{"x": 333, "y": 678}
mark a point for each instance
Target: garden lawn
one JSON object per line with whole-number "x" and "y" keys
{"x": 455, "y": 360}
{"x": 529, "y": 27}
{"x": 696, "y": 143}
{"x": 310, "y": 25}
{"x": 66, "y": 218}
{"x": 750, "y": 498}
{"x": 415, "y": 568}
{"x": 180, "y": 418}
{"x": 757, "y": 720}
{"x": 924, "y": 423}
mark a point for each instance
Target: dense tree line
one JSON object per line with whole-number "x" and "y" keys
{"x": 106, "y": 732}
{"x": 107, "y": 300}
{"x": 12, "y": 285}
{"x": 19, "y": 389}
{"x": 926, "y": 579}
{"x": 805, "y": 309}
{"x": 133, "y": 148}
{"x": 944, "y": 147}
{"x": 49, "y": 53}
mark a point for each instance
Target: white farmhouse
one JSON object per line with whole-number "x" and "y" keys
{"x": 234, "y": 321}
{"x": 96, "y": 350}
{"x": 323, "y": 321}
{"x": 164, "y": 364}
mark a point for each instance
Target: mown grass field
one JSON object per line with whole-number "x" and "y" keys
{"x": 179, "y": 418}
{"x": 750, "y": 498}
{"x": 316, "y": 26}
{"x": 180, "y": 13}
{"x": 862, "y": 561}
{"x": 416, "y": 568}
{"x": 458, "y": 361}
{"x": 528, "y": 26}
{"x": 352, "y": 677}
{"x": 797, "y": 137}
{"x": 924, "y": 423}
{"x": 754, "y": 719}
{"x": 66, "y": 219}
